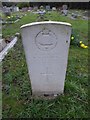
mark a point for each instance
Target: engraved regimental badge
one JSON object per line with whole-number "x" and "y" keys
{"x": 46, "y": 40}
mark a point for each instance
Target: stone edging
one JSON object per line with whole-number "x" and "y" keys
{"x": 7, "y": 48}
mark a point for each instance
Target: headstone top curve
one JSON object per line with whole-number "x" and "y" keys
{"x": 45, "y": 22}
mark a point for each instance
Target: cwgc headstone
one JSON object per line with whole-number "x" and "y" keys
{"x": 46, "y": 47}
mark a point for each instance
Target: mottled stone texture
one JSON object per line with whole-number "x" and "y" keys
{"x": 46, "y": 47}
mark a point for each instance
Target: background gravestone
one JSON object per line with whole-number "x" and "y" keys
{"x": 24, "y": 9}
{"x": 86, "y": 15}
{"x": 30, "y": 8}
{"x": 15, "y": 9}
{"x": 6, "y": 11}
{"x": 64, "y": 9}
{"x": 54, "y": 8}
{"x": 48, "y": 7}
{"x": 46, "y": 47}
{"x": 35, "y": 8}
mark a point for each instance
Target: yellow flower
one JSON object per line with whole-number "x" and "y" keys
{"x": 82, "y": 45}
{"x": 8, "y": 16}
{"x": 80, "y": 42}
{"x": 72, "y": 37}
{"x": 85, "y": 46}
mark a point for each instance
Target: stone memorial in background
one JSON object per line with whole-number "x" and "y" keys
{"x": 24, "y": 9}
{"x": 35, "y": 8}
{"x": 46, "y": 46}
{"x": 54, "y": 8}
{"x": 30, "y": 8}
{"x": 6, "y": 11}
{"x": 15, "y": 9}
{"x": 48, "y": 7}
{"x": 64, "y": 9}
{"x": 86, "y": 15}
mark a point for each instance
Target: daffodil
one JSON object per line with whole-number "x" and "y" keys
{"x": 82, "y": 45}
{"x": 85, "y": 46}
{"x": 80, "y": 42}
{"x": 8, "y": 17}
{"x": 72, "y": 38}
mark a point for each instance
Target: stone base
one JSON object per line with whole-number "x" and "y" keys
{"x": 44, "y": 95}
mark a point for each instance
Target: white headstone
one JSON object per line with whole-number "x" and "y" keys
{"x": 46, "y": 47}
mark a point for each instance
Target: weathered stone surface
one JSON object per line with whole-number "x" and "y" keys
{"x": 46, "y": 47}
{"x": 7, "y": 48}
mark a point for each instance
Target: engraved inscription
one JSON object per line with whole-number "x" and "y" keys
{"x": 46, "y": 40}
{"x": 47, "y": 74}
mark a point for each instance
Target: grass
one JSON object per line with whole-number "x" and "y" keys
{"x": 17, "y": 100}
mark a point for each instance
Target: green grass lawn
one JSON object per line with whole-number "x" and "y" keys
{"x": 17, "y": 100}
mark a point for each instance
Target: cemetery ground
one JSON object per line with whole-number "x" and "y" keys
{"x": 16, "y": 91}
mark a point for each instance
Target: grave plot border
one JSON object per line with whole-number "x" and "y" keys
{"x": 7, "y": 48}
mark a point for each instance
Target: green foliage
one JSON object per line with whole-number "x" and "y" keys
{"x": 11, "y": 18}
{"x": 74, "y": 38}
{"x": 23, "y": 4}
